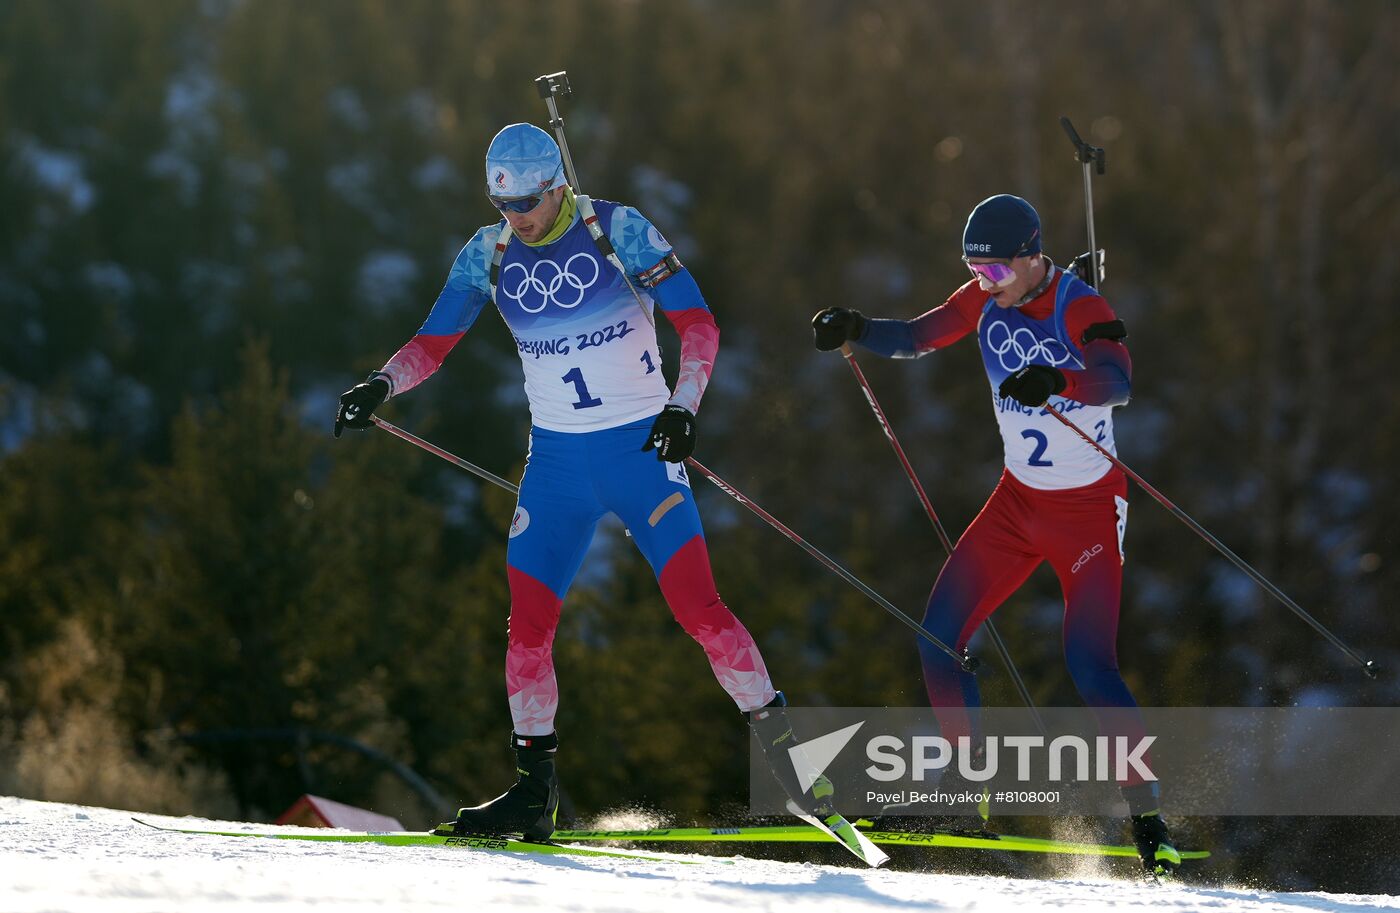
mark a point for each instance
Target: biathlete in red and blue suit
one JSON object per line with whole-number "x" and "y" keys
{"x": 1048, "y": 341}
{"x": 599, "y": 406}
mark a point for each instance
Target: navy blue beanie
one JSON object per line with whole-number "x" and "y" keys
{"x": 1002, "y": 226}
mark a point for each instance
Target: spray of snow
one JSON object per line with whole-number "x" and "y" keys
{"x": 1078, "y": 830}
{"x": 628, "y": 818}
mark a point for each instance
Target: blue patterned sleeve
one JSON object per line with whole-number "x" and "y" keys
{"x": 650, "y": 260}
{"x": 466, "y": 292}
{"x": 468, "y": 286}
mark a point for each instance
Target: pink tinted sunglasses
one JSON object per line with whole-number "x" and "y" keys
{"x": 992, "y": 275}
{"x": 999, "y": 273}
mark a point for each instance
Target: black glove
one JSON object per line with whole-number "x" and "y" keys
{"x": 672, "y": 435}
{"x": 1033, "y": 385}
{"x": 359, "y": 402}
{"x": 834, "y": 327}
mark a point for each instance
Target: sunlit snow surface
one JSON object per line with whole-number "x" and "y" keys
{"x": 69, "y": 858}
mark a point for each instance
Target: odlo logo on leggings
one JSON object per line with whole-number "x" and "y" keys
{"x": 1083, "y": 559}
{"x": 520, "y": 522}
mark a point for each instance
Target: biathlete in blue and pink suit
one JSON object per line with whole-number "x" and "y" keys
{"x": 1048, "y": 341}
{"x": 607, "y": 436}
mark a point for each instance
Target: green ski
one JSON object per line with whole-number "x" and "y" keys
{"x": 410, "y": 838}
{"x": 800, "y": 834}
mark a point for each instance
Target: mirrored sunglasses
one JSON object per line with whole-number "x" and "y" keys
{"x": 517, "y": 204}
{"x": 992, "y": 275}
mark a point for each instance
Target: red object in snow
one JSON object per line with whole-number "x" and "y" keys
{"x": 314, "y": 811}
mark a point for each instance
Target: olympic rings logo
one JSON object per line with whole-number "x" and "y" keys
{"x": 547, "y": 280}
{"x": 1024, "y": 346}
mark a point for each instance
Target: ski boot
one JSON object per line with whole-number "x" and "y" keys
{"x": 1154, "y": 845}
{"x": 529, "y": 808}
{"x": 774, "y": 733}
{"x": 810, "y": 796}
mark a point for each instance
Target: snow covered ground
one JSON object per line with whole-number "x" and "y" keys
{"x": 70, "y": 858}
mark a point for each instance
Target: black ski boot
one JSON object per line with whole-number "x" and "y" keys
{"x": 774, "y": 733}
{"x": 1154, "y": 845}
{"x": 528, "y": 808}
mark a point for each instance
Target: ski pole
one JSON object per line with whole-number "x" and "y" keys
{"x": 968, "y": 663}
{"x": 550, "y": 86}
{"x": 556, "y": 85}
{"x": 1087, "y": 155}
{"x": 454, "y": 459}
{"x": 451, "y": 458}
{"x": 992, "y": 633}
{"x": 1367, "y": 666}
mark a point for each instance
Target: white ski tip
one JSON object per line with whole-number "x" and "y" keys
{"x": 845, "y": 834}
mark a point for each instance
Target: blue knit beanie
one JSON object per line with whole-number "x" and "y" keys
{"x": 1003, "y": 227}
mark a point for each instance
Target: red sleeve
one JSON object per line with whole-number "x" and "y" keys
{"x": 699, "y": 346}
{"x": 420, "y": 357}
{"x": 1083, "y": 313}
{"x": 1108, "y": 370}
{"x": 951, "y": 320}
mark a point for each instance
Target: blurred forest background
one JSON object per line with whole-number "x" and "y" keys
{"x": 218, "y": 214}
